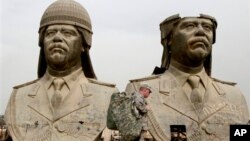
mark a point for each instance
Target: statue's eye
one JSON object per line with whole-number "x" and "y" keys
{"x": 207, "y": 27}
{"x": 67, "y": 33}
{"x": 190, "y": 26}
{"x": 50, "y": 33}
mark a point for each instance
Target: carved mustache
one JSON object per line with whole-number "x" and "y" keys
{"x": 199, "y": 39}
{"x": 57, "y": 45}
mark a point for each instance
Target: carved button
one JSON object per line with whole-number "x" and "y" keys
{"x": 59, "y": 127}
{"x": 203, "y": 126}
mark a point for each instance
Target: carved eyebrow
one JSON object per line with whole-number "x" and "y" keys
{"x": 71, "y": 30}
{"x": 207, "y": 23}
{"x": 52, "y": 27}
{"x": 184, "y": 23}
{"x": 187, "y": 22}
{"x": 63, "y": 28}
{"x": 48, "y": 30}
{"x": 196, "y": 22}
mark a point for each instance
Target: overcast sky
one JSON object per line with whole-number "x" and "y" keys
{"x": 126, "y": 39}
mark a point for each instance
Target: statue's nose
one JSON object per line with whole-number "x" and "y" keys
{"x": 200, "y": 30}
{"x": 57, "y": 37}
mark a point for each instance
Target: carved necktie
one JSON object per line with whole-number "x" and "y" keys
{"x": 57, "y": 96}
{"x": 195, "y": 96}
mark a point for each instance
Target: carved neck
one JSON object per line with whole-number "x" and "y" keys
{"x": 186, "y": 69}
{"x": 62, "y": 73}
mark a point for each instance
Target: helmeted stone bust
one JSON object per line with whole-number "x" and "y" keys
{"x": 183, "y": 91}
{"x": 66, "y": 102}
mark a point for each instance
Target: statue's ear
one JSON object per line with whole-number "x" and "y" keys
{"x": 169, "y": 40}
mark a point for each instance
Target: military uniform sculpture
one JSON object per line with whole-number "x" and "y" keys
{"x": 66, "y": 102}
{"x": 183, "y": 91}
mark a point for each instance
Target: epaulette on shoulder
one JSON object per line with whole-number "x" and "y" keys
{"x": 25, "y": 84}
{"x": 224, "y": 82}
{"x": 101, "y": 83}
{"x": 145, "y": 78}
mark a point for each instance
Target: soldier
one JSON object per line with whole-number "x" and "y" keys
{"x": 184, "y": 93}
{"x": 66, "y": 102}
{"x": 141, "y": 107}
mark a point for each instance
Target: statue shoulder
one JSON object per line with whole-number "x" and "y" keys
{"x": 148, "y": 78}
{"x": 224, "y": 87}
{"x": 134, "y": 84}
{"x": 26, "y": 84}
{"x": 223, "y": 82}
{"x": 96, "y": 86}
{"x": 101, "y": 83}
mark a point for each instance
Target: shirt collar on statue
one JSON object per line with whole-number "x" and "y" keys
{"x": 69, "y": 79}
{"x": 182, "y": 77}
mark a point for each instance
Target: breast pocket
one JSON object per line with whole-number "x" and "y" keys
{"x": 37, "y": 129}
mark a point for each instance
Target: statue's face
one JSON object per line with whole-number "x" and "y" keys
{"x": 192, "y": 40}
{"x": 62, "y": 46}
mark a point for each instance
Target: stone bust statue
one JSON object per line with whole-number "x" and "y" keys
{"x": 183, "y": 91}
{"x": 66, "y": 102}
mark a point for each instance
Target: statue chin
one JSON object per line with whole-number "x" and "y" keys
{"x": 198, "y": 54}
{"x": 57, "y": 59}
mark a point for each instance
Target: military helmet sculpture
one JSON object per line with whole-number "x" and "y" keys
{"x": 72, "y": 13}
{"x": 166, "y": 28}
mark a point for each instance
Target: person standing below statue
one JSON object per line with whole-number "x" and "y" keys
{"x": 141, "y": 107}
{"x": 66, "y": 102}
{"x": 184, "y": 93}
